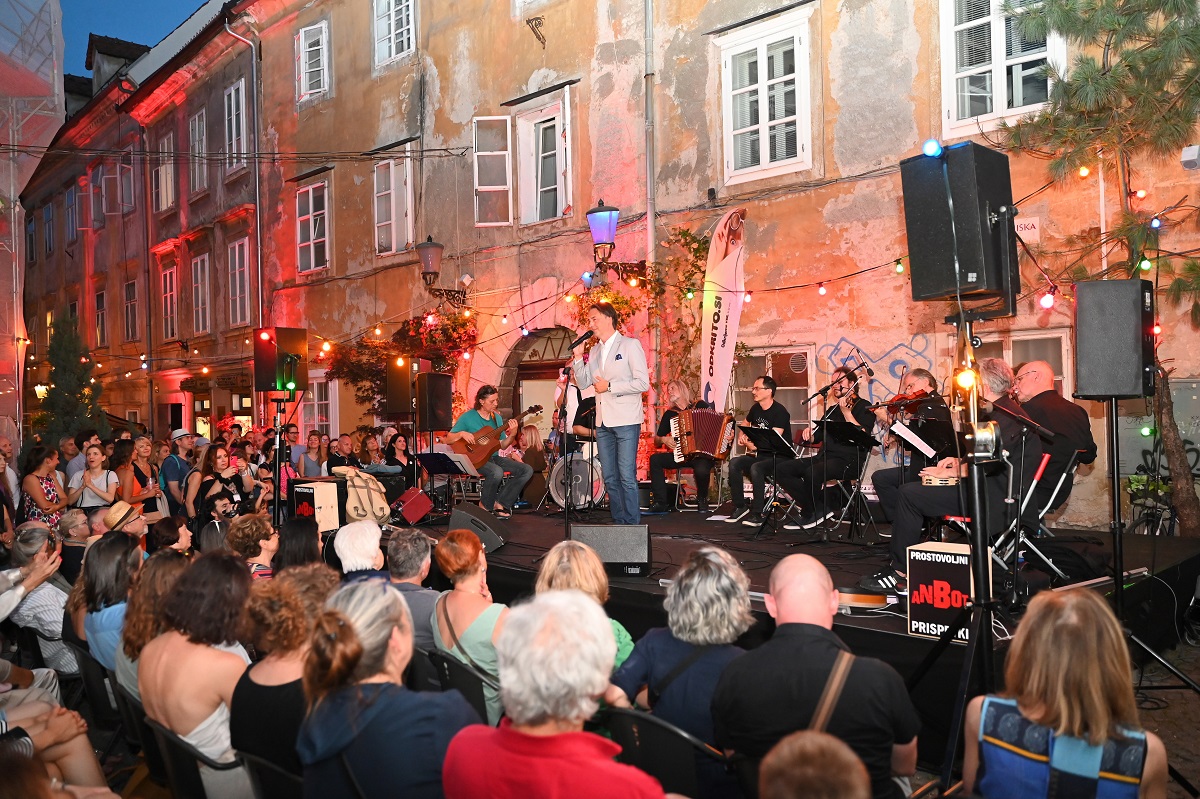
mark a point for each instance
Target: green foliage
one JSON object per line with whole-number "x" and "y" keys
{"x": 73, "y": 402}
{"x": 676, "y": 315}
{"x": 626, "y": 300}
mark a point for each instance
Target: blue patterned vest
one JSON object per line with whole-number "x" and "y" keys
{"x": 1020, "y": 759}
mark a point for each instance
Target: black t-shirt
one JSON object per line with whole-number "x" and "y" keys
{"x": 772, "y": 691}
{"x": 776, "y": 417}
{"x": 585, "y": 413}
{"x": 862, "y": 413}
{"x": 336, "y": 459}
{"x": 264, "y": 720}
{"x": 664, "y": 424}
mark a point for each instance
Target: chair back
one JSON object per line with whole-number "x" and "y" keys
{"x": 95, "y": 686}
{"x": 421, "y": 674}
{"x": 133, "y": 717}
{"x": 270, "y": 780}
{"x": 182, "y": 761}
{"x": 459, "y": 676}
{"x": 660, "y": 749}
{"x": 29, "y": 649}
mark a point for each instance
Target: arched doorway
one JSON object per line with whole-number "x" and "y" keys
{"x": 530, "y": 372}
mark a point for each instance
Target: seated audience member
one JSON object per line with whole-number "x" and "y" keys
{"x": 357, "y": 547}
{"x": 268, "y": 702}
{"x": 299, "y": 544}
{"x": 144, "y": 617}
{"x": 38, "y": 751}
{"x": 673, "y": 671}
{"x": 1059, "y": 729}
{"x": 570, "y": 564}
{"x": 556, "y": 653}
{"x": 408, "y": 563}
{"x": 172, "y": 533}
{"x": 773, "y": 690}
{"x": 366, "y": 734}
{"x": 73, "y": 534}
{"x": 213, "y": 534}
{"x": 812, "y": 765}
{"x": 254, "y": 540}
{"x": 108, "y": 572}
{"x": 466, "y": 623}
{"x": 42, "y": 608}
{"x": 127, "y": 519}
{"x": 187, "y": 674}
{"x": 96, "y": 526}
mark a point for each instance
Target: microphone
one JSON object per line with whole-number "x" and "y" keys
{"x": 863, "y": 361}
{"x": 588, "y": 334}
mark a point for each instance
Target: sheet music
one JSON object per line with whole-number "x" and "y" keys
{"x": 905, "y": 432}
{"x": 464, "y": 463}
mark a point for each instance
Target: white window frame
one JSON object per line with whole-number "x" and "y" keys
{"x": 529, "y": 152}
{"x": 239, "y": 282}
{"x": 312, "y": 80}
{"x": 30, "y": 237}
{"x": 71, "y": 213}
{"x": 393, "y": 205}
{"x": 48, "y": 227}
{"x": 235, "y": 126}
{"x": 96, "y": 197}
{"x": 1064, "y": 380}
{"x": 952, "y": 127}
{"x": 478, "y": 155}
{"x": 761, "y": 35}
{"x": 201, "y": 288}
{"x": 101, "y": 312}
{"x": 49, "y": 327}
{"x": 312, "y": 227}
{"x": 198, "y": 152}
{"x": 164, "y": 174}
{"x": 321, "y": 392}
{"x": 170, "y": 302}
{"x": 118, "y": 193}
{"x": 393, "y": 28}
{"x": 798, "y": 407}
{"x": 131, "y": 310}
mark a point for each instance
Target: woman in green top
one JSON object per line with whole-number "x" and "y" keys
{"x": 571, "y": 564}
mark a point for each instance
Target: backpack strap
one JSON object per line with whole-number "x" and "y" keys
{"x": 833, "y": 689}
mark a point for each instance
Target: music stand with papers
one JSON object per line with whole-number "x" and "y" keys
{"x": 451, "y": 464}
{"x": 768, "y": 441}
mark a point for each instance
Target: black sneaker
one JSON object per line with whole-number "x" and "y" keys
{"x": 737, "y": 514}
{"x": 805, "y": 523}
{"x": 755, "y": 517}
{"x": 887, "y": 581}
{"x": 818, "y": 518}
{"x": 658, "y": 508}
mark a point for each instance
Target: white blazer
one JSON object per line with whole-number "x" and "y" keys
{"x": 627, "y": 376}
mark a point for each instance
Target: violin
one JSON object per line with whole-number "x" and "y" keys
{"x": 903, "y": 402}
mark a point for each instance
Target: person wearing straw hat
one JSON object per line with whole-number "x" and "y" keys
{"x": 125, "y": 518}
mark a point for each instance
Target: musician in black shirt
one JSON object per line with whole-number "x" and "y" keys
{"x": 765, "y": 413}
{"x": 701, "y": 465}
{"x": 932, "y": 408}
{"x": 804, "y": 478}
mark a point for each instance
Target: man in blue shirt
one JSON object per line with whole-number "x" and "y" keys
{"x": 492, "y": 497}
{"x": 174, "y": 470}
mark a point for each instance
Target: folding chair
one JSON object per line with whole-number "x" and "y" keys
{"x": 183, "y": 763}
{"x": 468, "y": 681}
{"x": 270, "y": 780}
{"x": 661, "y": 749}
{"x": 29, "y": 651}
{"x": 134, "y": 717}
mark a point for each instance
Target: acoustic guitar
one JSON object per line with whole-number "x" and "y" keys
{"x": 487, "y": 440}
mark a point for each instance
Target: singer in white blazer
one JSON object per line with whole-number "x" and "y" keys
{"x": 616, "y": 368}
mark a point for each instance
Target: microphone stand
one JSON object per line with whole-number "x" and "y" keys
{"x": 844, "y": 376}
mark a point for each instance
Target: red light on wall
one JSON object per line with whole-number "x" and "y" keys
{"x": 265, "y": 336}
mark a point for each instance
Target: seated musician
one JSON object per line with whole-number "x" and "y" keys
{"x": 804, "y": 478}
{"x": 917, "y": 501}
{"x": 701, "y": 465}
{"x": 931, "y": 407}
{"x": 766, "y": 413}
{"x": 492, "y": 497}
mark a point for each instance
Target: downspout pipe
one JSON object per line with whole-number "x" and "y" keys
{"x": 258, "y": 264}
{"x": 651, "y": 171}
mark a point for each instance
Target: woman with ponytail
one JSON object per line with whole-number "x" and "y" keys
{"x": 366, "y": 735}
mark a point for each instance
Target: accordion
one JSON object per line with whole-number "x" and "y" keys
{"x": 702, "y": 432}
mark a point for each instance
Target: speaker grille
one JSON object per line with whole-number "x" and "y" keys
{"x": 1114, "y": 340}
{"x": 622, "y": 544}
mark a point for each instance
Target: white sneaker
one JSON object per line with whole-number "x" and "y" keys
{"x": 737, "y": 514}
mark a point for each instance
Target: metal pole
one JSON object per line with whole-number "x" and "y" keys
{"x": 1118, "y": 524}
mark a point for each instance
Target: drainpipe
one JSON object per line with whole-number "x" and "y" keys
{"x": 257, "y": 170}
{"x": 651, "y": 238}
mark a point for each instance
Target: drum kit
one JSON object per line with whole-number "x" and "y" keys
{"x": 576, "y": 480}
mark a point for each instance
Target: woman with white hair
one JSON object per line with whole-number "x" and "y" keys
{"x": 357, "y": 548}
{"x": 555, "y": 653}
{"x": 42, "y": 608}
{"x": 674, "y": 671}
{"x": 366, "y": 734}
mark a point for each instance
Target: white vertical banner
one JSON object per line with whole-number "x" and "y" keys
{"x": 721, "y": 309}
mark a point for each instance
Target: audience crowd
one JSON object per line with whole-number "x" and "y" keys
{"x": 159, "y": 562}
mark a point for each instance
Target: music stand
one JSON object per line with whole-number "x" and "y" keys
{"x": 768, "y": 441}
{"x": 850, "y": 435}
{"x": 450, "y": 464}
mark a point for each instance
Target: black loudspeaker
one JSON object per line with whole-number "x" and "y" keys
{"x": 435, "y": 403}
{"x": 979, "y": 185}
{"x": 491, "y": 531}
{"x": 398, "y": 395}
{"x": 1114, "y": 339}
{"x": 624, "y": 548}
{"x": 280, "y": 357}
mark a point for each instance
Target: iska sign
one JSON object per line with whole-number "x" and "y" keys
{"x": 939, "y": 587}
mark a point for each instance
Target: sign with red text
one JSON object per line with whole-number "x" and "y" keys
{"x": 939, "y": 587}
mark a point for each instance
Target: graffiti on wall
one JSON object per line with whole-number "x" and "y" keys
{"x": 889, "y": 367}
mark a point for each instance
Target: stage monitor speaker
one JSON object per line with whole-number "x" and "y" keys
{"x": 491, "y": 531}
{"x": 1114, "y": 339}
{"x": 979, "y": 184}
{"x": 435, "y": 402}
{"x": 624, "y": 548}
{"x": 280, "y": 356}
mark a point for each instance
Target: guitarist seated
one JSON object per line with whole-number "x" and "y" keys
{"x": 484, "y": 423}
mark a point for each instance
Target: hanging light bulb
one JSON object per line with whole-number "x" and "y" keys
{"x": 1145, "y": 265}
{"x": 431, "y": 319}
{"x": 145, "y": 365}
{"x": 569, "y": 298}
{"x": 690, "y": 293}
{"x": 1140, "y": 194}
{"x": 821, "y": 289}
{"x": 1084, "y": 171}
{"x": 204, "y": 370}
{"x": 633, "y": 281}
{"x": 1157, "y": 329}
{"x": 1047, "y": 299}
{"x": 400, "y": 361}
{"x": 466, "y": 313}
{"x": 326, "y": 346}
{"x": 466, "y": 356}
{"x": 1156, "y": 223}
{"x": 504, "y": 319}
{"x": 899, "y": 267}
{"x": 524, "y": 330}
{"x": 129, "y": 374}
{"x": 746, "y": 298}
{"x": 378, "y": 330}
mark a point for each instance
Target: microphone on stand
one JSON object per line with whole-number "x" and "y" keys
{"x": 863, "y": 361}
{"x": 587, "y": 335}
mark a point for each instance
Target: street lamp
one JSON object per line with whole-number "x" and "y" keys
{"x": 602, "y": 221}
{"x": 431, "y": 259}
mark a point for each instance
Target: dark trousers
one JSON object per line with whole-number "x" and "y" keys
{"x": 804, "y": 478}
{"x": 914, "y": 503}
{"x": 887, "y": 484}
{"x": 758, "y": 467}
{"x": 701, "y": 469}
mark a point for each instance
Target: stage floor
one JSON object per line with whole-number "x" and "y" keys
{"x": 1154, "y": 600}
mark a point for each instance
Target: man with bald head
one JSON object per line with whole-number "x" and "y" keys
{"x": 773, "y": 691}
{"x": 1034, "y": 389}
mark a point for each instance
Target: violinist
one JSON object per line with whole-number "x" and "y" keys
{"x": 917, "y": 402}
{"x": 804, "y": 478}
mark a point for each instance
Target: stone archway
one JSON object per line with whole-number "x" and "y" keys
{"x": 532, "y": 361}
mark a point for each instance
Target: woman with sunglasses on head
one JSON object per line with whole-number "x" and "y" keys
{"x": 95, "y": 486}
